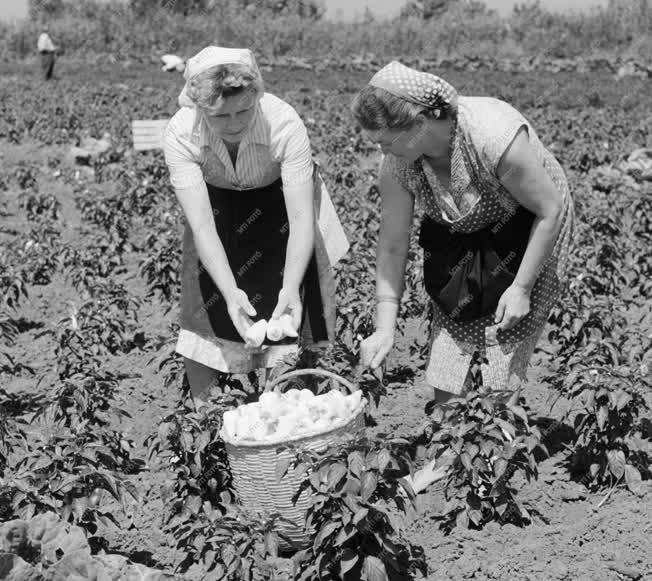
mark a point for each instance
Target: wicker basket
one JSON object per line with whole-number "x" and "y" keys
{"x": 253, "y": 467}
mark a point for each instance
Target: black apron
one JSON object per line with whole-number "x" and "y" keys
{"x": 253, "y": 227}
{"x": 466, "y": 274}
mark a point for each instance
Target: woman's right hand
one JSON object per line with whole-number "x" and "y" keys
{"x": 240, "y": 310}
{"x": 375, "y": 348}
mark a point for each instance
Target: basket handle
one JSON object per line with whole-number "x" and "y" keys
{"x": 273, "y": 386}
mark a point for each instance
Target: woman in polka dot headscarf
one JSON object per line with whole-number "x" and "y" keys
{"x": 496, "y": 232}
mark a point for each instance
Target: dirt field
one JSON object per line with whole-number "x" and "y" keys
{"x": 576, "y": 534}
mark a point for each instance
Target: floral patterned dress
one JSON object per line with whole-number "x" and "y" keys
{"x": 475, "y": 200}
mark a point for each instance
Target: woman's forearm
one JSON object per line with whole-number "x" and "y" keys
{"x": 212, "y": 256}
{"x": 197, "y": 209}
{"x": 390, "y": 280}
{"x": 540, "y": 245}
{"x": 300, "y": 246}
{"x": 392, "y": 252}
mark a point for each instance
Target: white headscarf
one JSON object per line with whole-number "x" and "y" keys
{"x": 210, "y": 57}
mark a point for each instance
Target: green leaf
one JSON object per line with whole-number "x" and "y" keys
{"x": 209, "y": 559}
{"x": 506, "y": 427}
{"x": 218, "y": 573}
{"x": 472, "y": 450}
{"x": 352, "y": 486}
{"x": 351, "y": 503}
{"x": 384, "y": 458}
{"x": 475, "y": 516}
{"x": 65, "y": 484}
{"x": 487, "y": 448}
{"x": 336, "y": 472}
{"x": 601, "y": 416}
{"x": 634, "y": 480}
{"x": 199, "y": 542}
{"x": 349, "y": 560}
{"x": 271, "y": 544}
{"x": 315, "y": 480}
{"x": 348, "y": 532}
{"x": 374, "y": 569}
{"x": 362, "y": 513}
{"x": 193, "y": 504}
{"x": 300, "y": 469}
{"x": 462, "y": 520}
{"x": 500, "y": 466}
{"x": 228, "y": 554}
{"x": 202, "y": 441}
{"x": 282, "y": 467}
{"x": 617, "y": 461}
{"x": 623, "y": 400}
{"x": 479, "y": 463}
{"x": 41, "y": 463}
{"x": 356, "y": 463}
{"x": 326, "y": 530}
{"x": 187, "y": 441}
{"x": 590, "y": 399}
{"x": 323, "y": 473}
{"x": 466, "y": 461}
{"x": 501, "y": 505}
{"x": 520, "y": 412}
{"x": 532, "y": 442}
{"x": 368, "y": 485}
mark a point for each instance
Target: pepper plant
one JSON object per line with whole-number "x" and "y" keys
{"x": 613, "y": 408}
{"x": 200, "y": 501}
{"x": 484, "y": 437}
{"x": 357, "y": 497}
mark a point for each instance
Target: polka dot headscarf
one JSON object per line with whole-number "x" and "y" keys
{"x": 415, "y": 86}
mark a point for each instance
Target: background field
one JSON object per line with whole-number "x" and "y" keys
{"x": 276, "y": 28}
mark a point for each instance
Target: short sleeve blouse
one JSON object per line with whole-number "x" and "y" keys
{"x": 485, "y": 129}
{"x": 277, "y": 145}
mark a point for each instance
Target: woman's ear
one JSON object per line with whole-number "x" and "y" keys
{"x": 420, "y": 119}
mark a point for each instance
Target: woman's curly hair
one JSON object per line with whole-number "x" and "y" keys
{"x": 376, "y": 109}
{"x": 222, "y": 81}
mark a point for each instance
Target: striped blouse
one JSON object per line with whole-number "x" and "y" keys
{"x": 277, "y": 145}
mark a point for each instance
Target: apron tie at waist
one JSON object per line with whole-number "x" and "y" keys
{"x": 466, "y": 274}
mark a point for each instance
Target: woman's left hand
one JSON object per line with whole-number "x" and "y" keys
{"x": 513, "y": 306}
{"x": 289, "y": 301}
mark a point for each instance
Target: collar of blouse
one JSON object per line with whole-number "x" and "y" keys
{"x": 257, "y": 133}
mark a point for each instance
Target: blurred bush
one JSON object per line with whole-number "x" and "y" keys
{"x": 145, "y": 29}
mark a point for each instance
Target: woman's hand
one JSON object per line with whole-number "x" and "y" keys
{"x": 240, "y": 310}
{"x": 513, "y": 306}
{"x": 375, "y": 348}
{"x": 289, "y": 301}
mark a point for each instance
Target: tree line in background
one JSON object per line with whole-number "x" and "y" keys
{"x": 47, "y": 9}
{"x": 141, "y": 30}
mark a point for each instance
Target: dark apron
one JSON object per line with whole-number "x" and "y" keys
{"x": 47, "y": 64}
{"x": 253, "y": 228}
{"x": 466, "y": 274}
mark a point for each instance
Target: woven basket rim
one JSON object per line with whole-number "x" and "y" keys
{"x": 278, "y": 441}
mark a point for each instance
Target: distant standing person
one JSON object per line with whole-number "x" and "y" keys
{"x": 48, "y": 52}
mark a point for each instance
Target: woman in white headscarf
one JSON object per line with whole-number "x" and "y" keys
{"x": 241, "y": 165}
